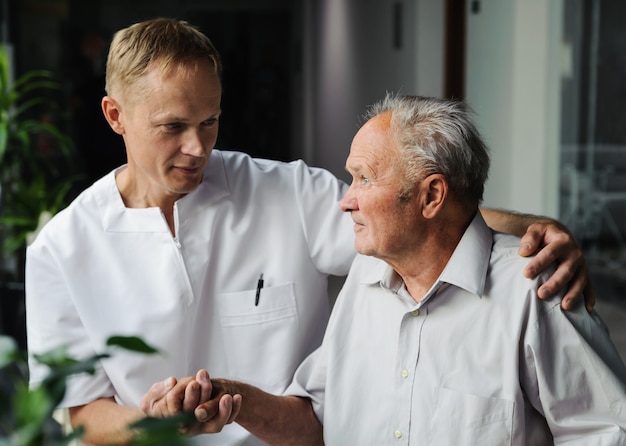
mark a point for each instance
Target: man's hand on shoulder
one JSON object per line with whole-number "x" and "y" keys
{"x": 552, "y": 242}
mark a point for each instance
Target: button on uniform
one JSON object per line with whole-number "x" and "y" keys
{"x": 415, "y": 312}
{"x": 405, "y": 373}
{"x": 397, "y": 434}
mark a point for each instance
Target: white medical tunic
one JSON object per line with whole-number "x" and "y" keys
{"x": 99, "y": 269}
{"x": 479, "y": 361}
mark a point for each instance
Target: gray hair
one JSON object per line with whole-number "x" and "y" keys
{"x": 437, "y": 136}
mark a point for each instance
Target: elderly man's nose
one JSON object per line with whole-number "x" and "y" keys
{"x": 348, "y": 202}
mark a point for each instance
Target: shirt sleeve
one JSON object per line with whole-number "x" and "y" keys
{"x": 49, "y": 306}
{"x": 574, "y": 376}
{"x": 310, "y": 381}
{"x": 328, "y": 230}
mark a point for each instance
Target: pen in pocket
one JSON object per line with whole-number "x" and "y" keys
{"x": 259, "y": 285}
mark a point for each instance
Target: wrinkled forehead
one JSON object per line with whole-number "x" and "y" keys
{"x": 373, "y": 145}
{"x": 375, "y": 135}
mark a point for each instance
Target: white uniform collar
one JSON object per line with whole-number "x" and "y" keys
{"x": 118, "y": 218}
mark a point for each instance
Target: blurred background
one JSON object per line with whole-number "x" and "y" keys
{"x": 545, "y": 77}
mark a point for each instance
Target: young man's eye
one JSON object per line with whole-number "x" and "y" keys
{"x": 210, "y": 122}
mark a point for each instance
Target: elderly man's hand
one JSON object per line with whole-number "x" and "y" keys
{"x": 551, "y": 241}
{"x": 221, "y": 410}
{"x": 172, "y": 397}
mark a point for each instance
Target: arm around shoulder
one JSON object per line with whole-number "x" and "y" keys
{"x": 549, "y": 241}
{"x": 510, "y": 222}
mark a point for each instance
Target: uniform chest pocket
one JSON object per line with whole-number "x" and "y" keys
{"x": 466, "y": 419}
{"x": 261, "y": 341}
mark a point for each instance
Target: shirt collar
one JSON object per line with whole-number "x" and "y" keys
{"x": 467, "y": 267}
{"x": 117, "y": 217}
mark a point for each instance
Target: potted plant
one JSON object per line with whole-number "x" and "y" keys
{"x": 37, "y": 171}
{"x": 36, "y": 159}
{"x": 26, "y": 413}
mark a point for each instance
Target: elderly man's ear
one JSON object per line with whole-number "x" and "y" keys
{"x": 433, "y": 191}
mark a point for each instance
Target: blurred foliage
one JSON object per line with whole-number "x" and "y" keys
{"x": 37, "y": 160}
{"x": 26, "y": 414}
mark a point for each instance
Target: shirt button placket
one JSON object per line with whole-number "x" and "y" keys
{"x": 409, "y": 326}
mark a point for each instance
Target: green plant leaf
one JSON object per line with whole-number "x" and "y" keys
{"x": 161, "y": 431}
{"x": 4, "y": 137}
{"x": 132, "y": 343}
{"x": 166, "y": 424}
{"x": 32, "y": 406}
{"x": 9, "y": 352}
{"x": 4, "y": 67}
{"x": 37, "y": 160}
{"x": 61, "y": 367}
{"x": 27, "y": 412}
{"x": 35, "y": 80}
{"x": 56, "y": 358}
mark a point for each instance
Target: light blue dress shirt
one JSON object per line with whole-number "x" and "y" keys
{"x": 479, "y": 361}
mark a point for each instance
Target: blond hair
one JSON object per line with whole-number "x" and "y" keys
{"x": 161, "y": 43}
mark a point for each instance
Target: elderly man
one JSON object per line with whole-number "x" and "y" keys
{"x": 436, "y": 337}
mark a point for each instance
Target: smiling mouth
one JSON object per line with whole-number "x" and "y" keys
{"x": 188, "y": 169}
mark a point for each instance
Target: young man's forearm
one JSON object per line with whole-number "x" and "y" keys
{"x": 105, "y": 422}
{"x": 512, "y": 222}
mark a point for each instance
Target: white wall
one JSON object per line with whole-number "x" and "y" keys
{"x": 430, "y": 51}
{"x": 350, "y": 50}
{"x": 513, "y": 68}
{"x": 512, "y": 81}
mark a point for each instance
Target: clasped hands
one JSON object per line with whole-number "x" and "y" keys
{"x": 212, "y": 402}
{"x": 215, "y": 403}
